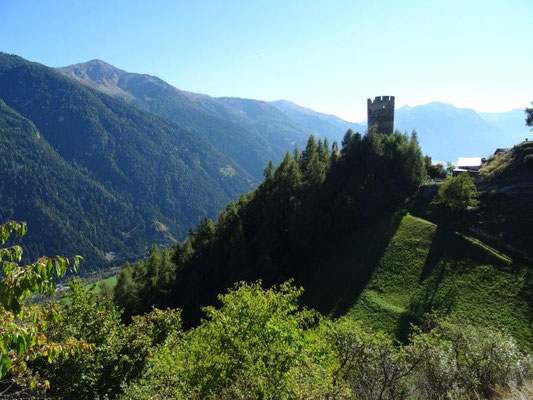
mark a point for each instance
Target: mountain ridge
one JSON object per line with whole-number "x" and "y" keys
{"x": 165, "y": 175}
{"x": 445, "y": 131}
{"x": 250, "y": 143}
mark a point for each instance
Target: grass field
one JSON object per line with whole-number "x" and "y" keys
{"x": 389, "y": 274}
{"x": 111, "y": 282}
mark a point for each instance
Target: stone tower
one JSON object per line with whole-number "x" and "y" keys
{"x": 381, "y": 113}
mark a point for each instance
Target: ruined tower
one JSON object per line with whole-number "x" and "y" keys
{"x": 381, "y": 113}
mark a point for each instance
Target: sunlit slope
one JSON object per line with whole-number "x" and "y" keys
{"x": 391, "y": 273}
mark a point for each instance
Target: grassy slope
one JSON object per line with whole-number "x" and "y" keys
{"x": 111, "y": 281}
{"x": 404, "y": 263}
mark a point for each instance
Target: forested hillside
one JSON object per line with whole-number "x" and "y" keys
{"x": 249, "y": 132}
{"x": 119, "y": 177}
{"x": 281, "y": 229}
{"x": 408, "y": 308}
{"x": 337, "y": 223}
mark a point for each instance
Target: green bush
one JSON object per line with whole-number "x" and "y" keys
{"x": 459, "y": 194}
{"x": 255, "y": 346}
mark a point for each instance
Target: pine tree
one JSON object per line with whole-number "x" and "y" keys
{"x": 125, "y": 293}
{"x": 529, "y": 116}
{"x": 268, "y": 173}
{"x": 310, "y": 150}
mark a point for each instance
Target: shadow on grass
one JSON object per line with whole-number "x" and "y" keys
{"x": 433, "y": 273}
{"x": 338, "y": 281}
{"x": 440, "y": 243}
{"x": 429, "y": 299}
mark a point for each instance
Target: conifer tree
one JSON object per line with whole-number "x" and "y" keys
{"x": 529, "y": 116}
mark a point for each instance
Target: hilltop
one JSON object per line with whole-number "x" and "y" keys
{"x": 340, "y": 225}
{"x": 511, "y": 166}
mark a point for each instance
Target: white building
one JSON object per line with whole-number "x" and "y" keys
{"x": 471, "y": 165}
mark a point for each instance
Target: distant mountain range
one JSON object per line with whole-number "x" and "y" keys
{"x": 447, "y": 132}
{"x": 252, "y": 132}
{"x": 248, "y": 131}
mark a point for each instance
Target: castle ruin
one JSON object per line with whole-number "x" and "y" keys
{"x": 381, "y": 113}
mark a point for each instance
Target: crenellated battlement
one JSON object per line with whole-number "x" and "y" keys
{"x": 381, "y": 113}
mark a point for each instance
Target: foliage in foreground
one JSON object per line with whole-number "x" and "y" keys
{"x": 23, "y": 329}
{"x": 260, "y": 345}
{"x": 119, "y": 351}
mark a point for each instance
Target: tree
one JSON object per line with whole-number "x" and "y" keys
{"x": 268, "y": 173}
{"x": 126, "y": 294}
{"x": 369, "y": 362}
{"x": 250, "y": 347}
{"x": 118, "y": 352}
{"x": 449, "y": 167}
{"x": 148, "y": 283}
{"x": 460, "y": 360}
{"x": 436, "y": 171}
{"x": 529, "y": 116}
{"x": 22, "y": 328}
{"x": 459, "y": 194}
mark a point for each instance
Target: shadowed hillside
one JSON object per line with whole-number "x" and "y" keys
{"x": 391, "y": 273}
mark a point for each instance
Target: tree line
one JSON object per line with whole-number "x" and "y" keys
{"x": 279, "y": 230}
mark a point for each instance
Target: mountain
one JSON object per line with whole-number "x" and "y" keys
{"x": 318, "y": 123}
{"x": 252, "y": 132}
{"x": 510, "y": 123}
{"x": 248, "y": 131}
{"x": 96, "y": 176}
{"x": 447, "y": 132}
{"x": 259, "y": 117}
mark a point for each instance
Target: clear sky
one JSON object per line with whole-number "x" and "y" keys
{"x": 327, "y": 55}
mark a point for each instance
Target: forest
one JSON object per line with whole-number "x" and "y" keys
{"x": 222, "y": 315}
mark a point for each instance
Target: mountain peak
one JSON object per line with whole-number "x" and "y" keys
{"x": 99, "y": 75}
{"x": 95, "y": 69}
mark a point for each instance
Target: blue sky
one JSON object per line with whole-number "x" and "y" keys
{"x": 327, "y": 55}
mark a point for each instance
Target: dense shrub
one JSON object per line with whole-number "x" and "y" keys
{"x": 260, "y": 345}
{"x": 459, "y": 194}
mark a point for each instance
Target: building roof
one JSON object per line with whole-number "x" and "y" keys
{"x": 463, "y": 162}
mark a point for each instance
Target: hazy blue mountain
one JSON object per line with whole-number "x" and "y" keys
{"x": 447, "y": 132}
{"x": 511, "y": 123}
{"x": 249, "y": 131}
{"x": 112, "y": 177}
{"x": 318, "y": 123}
